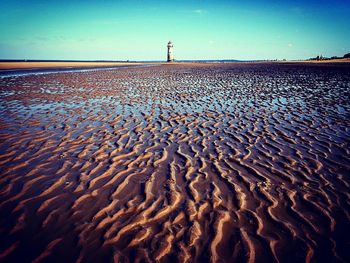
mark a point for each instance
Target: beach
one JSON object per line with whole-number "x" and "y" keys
{"x": 11, "y": 65}
{"x": 30, "y": 65}
{"x": 179, "y": 162}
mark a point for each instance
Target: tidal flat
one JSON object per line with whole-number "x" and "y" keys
{"x": 187, "y": 162}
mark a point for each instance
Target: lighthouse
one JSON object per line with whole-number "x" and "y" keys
{"x": 170, "y": 52}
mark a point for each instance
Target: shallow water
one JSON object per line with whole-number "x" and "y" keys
{"x": 197, "y": 162}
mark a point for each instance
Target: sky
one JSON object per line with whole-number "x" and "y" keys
{"x": 200, "y": 29}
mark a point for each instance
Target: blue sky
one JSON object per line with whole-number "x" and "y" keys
{"x": 139, "y": 30}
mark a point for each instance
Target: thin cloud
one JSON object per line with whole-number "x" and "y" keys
{"x": 199, "y": 11}
{"x": 194, "y": 11}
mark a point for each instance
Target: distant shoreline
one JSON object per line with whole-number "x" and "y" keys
{"x": 55, "y": 64}
{"x": 338, "y": 60}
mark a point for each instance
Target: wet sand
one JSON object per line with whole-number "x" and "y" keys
{"x": 325, "y": 61}
{"x": 62, "y": 64}
{"x": 176, "y": 163}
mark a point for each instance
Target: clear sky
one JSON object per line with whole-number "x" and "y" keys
{"x": 199, "y": 29}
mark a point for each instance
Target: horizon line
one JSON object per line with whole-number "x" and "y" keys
{"x": 108, "y": 60}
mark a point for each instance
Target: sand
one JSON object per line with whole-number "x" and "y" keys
{"x": 63, "y": 64}
{"x": 326, "y": 61}
{"x": 176, "y": 163}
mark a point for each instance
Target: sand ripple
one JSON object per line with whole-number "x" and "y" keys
{"x": 176, "y": 163}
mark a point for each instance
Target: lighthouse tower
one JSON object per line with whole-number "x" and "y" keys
{"x": 170, "y": 52}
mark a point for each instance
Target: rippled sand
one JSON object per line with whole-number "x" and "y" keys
{"x": 176, "y": 163}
